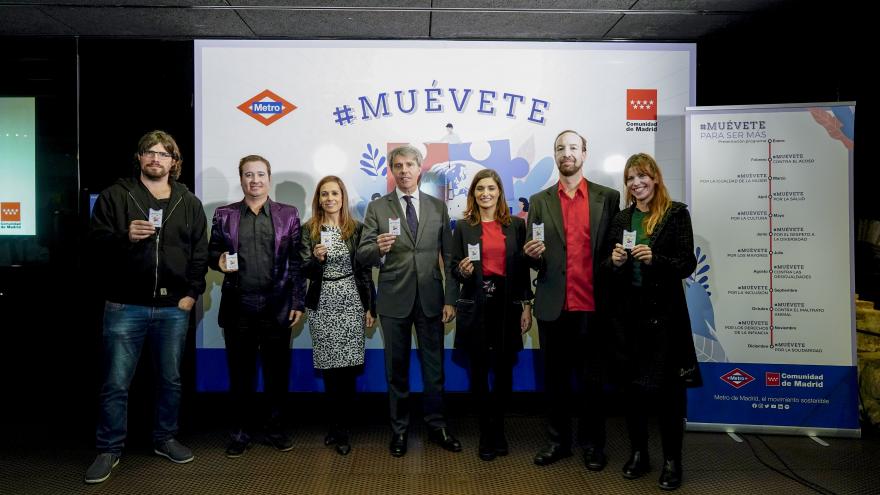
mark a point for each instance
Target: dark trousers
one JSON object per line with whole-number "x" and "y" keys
{"x": 491, "y": 377}
{"x": 670, "y": 404}
{"x": 570, "y": 392}
{"x": 340, "y": 387}
{"x": 397, "y": 333}
{"x": 491, "y": 367}
{"x": 257, "y": 333}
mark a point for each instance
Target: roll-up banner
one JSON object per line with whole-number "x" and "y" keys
{"x": 771, "y": 300}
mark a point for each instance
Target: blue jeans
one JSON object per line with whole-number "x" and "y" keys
{"x": 126, "y": 328}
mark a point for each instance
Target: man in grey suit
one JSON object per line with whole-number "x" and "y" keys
{"x": 406, "y": 233}
{"x": 575, "y": 215}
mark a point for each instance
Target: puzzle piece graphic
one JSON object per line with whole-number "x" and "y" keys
{"x": 499, "y": 159}
{"x": 435, "y": 153}
{"x": 448, "y": 168}
{"x": 535, "y": 180}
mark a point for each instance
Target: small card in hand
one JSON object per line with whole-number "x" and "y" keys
{"x": 474, "y": 252}
{"x": 538, "y": 231}
{"x": 394, "y": 226}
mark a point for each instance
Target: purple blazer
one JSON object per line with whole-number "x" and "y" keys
{"x": 288, "y": 286}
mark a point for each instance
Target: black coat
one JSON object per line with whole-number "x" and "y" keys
{"x": 470, "y": 328}
{"x": 664, "y": 310}
{"x": 161, "y": 269}
{"x": 314, "y": 269}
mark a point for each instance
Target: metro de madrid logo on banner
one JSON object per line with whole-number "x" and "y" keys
{"x": 641, "y": 110}
{"x": 737, "y": 378}
{"x": 267, "y": 107}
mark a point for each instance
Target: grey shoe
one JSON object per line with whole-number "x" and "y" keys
{"x": 100, "y": 469}
{"x": 174, "y": 451}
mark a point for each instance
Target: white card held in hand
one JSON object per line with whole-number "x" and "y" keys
{"x": 538, "y": 232}
{"x": 394, "y": 226}
{"x": 156, "y": 218}
{"x": 326, "y": 238}
{"x": 629, "y": 239}
{"x": 232, "y": 261}
{"x": 474, "y": 252}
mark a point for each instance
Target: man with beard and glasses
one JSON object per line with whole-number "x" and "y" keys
{"x": 574, "y": 215}
{"x": 150, "y": 245}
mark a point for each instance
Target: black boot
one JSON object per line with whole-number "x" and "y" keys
{"x": 486, "y": 449}
{"x": 670, "y": 477}
{"x": 332, "y": 435}
{"x": 499, "y": 438}
{"x": 638, "y": 465}
{"x": 343, "y": 444}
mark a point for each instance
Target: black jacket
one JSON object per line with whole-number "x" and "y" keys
{"x": 314, "y": 269}
{"x": 159, "y": 270}
{"x": 666, "y": 312}
{"x": 471, "y": 330}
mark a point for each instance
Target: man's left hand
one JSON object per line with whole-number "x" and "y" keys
{"x": 186, "y": 303}
{"x": 448, "y": 313}
{"x": 294, "y": 317}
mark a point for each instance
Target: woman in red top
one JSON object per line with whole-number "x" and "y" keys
{"x": 495, "y": 305}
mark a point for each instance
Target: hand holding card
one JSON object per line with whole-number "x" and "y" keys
{"x": 156, "y": 218}
{"x": 231, "y": 262}
{"x": 538, "y": 232}
{"x": 629, "y": 239}
{"x": 326, "y": 238}
{"x": 474, "y": 252}
{"x": 394, "y": 226}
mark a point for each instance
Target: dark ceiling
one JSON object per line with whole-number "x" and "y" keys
{"x": 673, "y": 20}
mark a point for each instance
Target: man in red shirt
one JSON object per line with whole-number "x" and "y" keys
{"x": 575, "y": 216}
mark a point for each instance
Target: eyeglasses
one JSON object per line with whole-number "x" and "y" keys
{"x": 154, "y": 154}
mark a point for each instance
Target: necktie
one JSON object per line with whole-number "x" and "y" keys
{"x": 411, "y": 217}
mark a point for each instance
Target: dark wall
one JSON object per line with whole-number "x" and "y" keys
{"x": 807, "y": 53}
{"x": 52, "y": 361}
{"x": 39, "y": 289}
{"x": 128, "y": 88}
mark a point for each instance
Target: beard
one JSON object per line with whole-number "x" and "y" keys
{"x": 567, "y": 169}
{"x": 153, "y": 172}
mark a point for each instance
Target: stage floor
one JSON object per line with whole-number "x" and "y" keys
{"x": 36, "y": 460}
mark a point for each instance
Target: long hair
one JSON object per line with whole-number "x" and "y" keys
{"x": 472, "y": 211}
{"x": 153, "y": 138}
{"x": 644, "y": 163}
{"x": 346, "y": 223}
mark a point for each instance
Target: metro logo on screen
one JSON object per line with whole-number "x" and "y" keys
{"x": 10, "y": 212}
{"x": 267, "y": 107}
{"x": 641, "y": 104}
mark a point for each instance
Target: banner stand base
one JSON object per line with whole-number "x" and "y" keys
{"x": 819, "y": 440}
{"x": 775, "y": 430}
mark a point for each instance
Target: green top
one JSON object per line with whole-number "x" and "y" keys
{"x": 638, "y": 218}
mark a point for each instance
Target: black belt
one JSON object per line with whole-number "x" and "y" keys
{"x": 334, "y": 279}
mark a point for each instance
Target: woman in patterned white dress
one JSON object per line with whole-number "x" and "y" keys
{"x": 336, "y": 281}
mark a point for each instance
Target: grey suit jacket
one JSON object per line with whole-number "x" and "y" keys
{"x": 412, "y": 263}
{"x": 544, "y": 207}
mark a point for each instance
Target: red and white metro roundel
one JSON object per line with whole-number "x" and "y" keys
{"x": 737, "y": 378}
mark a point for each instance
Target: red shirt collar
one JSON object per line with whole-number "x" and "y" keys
{"x": 582, "y": 187}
